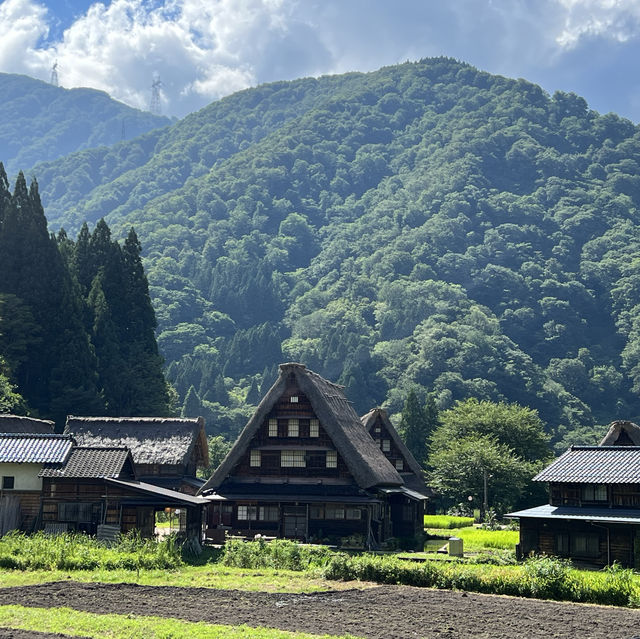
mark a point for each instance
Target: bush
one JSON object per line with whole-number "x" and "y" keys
{"x": 547, "y": 577}
{"x": 279, "y": 553}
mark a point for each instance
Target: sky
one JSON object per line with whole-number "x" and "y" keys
{"x": 202, "y": 50}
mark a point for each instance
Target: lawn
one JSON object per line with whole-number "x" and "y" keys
{"x": 479, "y": 539}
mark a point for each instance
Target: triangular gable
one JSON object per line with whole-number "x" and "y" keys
{"x": 379, "y": 415}
{"x": 622, "y": 433}
{"x": 368, "y": 466}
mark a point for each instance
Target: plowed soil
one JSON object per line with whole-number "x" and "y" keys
{"x": 389, "y": 612}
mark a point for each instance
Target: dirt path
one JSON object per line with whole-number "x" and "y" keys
{"x": 384, "y": 612}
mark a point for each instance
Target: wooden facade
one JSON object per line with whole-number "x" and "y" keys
{"x": 305, "y": 468}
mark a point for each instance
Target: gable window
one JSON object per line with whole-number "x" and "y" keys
{"x": 293, "y": 427}
{"x": 332, "y": 459}
{"x": 247, "y": 513}
{"x": 314, "y": 428}
{"x": 293, "y": 399}
{"x": 594, "y": 492}
{"x": 376, "y": 430}
{"x": 8, "y": 482}
{"x": 386, "y": 445}
{"x": 273, "y": 428}
{"x": 254, "y": 460}
{"x": 399, "y": 464}
{"x": 292, "y": 459}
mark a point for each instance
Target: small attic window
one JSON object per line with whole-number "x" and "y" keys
{"x": 254, "y": 460}
{"x": 376, "y": 430}
{"x": 314, "y": 428}
{"x": 273, "y": 428}
{"x": 399, "y": 464}
{"x": 386, "y": 445}
{"x": 332, "y": 459}
{"x": 293, "y": 399}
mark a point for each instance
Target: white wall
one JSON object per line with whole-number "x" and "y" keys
{"x": 26, "y": 476}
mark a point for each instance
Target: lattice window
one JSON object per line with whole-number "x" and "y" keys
{"x": 292, "y": 459}
{"x": 386, "y": 445}
{"x": 293, "y": 427}
{"x": 247, "y": 513}
{"x": 294, "y": 399}
{"x": 255, "y": 458}
{"x": 273, "y": 428}
{"x": 353, "y": 513}
{"x": 399, "y": 464}
{"x": 334, "y": 511}
{"x": 269, "y": 513}
{"x": 314, "y": 428}
{"x": 332, "y": 459}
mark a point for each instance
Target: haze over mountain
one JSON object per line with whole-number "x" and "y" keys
{"x": 39, "y": 121}
{"x": 424, "y": 225}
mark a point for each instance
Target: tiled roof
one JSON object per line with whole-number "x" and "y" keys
{"x": 90, "y": 462}
{"x": 21, "y": 424}
{"x": 596, "y": 465}
{"x": 34, "y": 449}
{"x": 604, "y": 515}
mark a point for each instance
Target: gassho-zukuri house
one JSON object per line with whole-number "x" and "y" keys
{"x": 593, "y": 514}
{"x": 305, "y": 467}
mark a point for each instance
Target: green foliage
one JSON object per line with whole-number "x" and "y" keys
{"x": 447, "y": 521}
{"x": 279, "y": 553}
{"x": 81, "y": 552}
{"x": 417, "y": 423}
{"x": 219, "y": 447}
{"x": 425, "y": 226}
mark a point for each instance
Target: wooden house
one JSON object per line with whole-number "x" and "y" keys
{"x": 386, "y": 437}
{"x": 22, "y": 456}
{"x": 593, "y": 514}
{"x": 304, "y": 467}
{"x": 166, "y": 451}
{"x": 95, "y": 490}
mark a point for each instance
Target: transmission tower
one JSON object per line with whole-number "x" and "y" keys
{"x": 156, "y": 85}
{"x": 54, "y": 74}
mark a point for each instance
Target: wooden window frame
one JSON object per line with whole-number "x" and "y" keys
{"x": 314, "y": 428}
{"x": 331, "y": 459}
{"x": 272, "y": 426}
{"x": 255, "y": 458}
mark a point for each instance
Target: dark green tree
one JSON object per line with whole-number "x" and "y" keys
{"x": 417, "y": 422}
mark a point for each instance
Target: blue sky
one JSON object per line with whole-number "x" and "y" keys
{"x": 205, "y": 49}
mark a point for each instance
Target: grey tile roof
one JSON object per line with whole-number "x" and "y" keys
{"x": 595, "y": 464}
{"x": 611, "y": 515}
{"x": 152, "y": 440}
{"x": 89, "y": 462}
{"x": 21, "y": 424}
{"x": 34, "y": 448}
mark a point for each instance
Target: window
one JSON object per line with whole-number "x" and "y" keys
{"x": 386, "y": 445}
{"x": 399, "y": 464}
{"x": 562, "y": 543}
{"x": 293, "y": 399}
{"x": 273, "y": 428}
{"x": 316, "y": 512}
{"x": 8, "y": 483}
{"x": 247, "y": 513}
{"x": 74, "y": 512}
{"x": 376, "y": 430}
{"x": 314, "y": 428}
{"x": 334, "y": 512}
{"x": 293, "y": 427}
{"x": 254, "y": 460}
{"x": 332, "y": 459}
{"x": 269, "y": 513}
{"x": 292, "y": 459}
{"x": 594, "y": 492}
{"x": 353, "y": 513}
{"x": 585, "y": 544}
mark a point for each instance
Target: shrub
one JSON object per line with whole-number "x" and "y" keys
{"x": 279, "y": 553}
{"x": 547, "y": 577}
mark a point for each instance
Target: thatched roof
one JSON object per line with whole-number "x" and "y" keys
{"x": 152, "y": 440}
{"x": 93, "y": 462}
{"x": 364, "y": 459}
{"x": 414, "y": 479}
{"x": 21, "y": 424}
{"x": 622, "y": 433}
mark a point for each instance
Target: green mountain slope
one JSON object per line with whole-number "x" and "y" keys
{"x": 425, "y": 225}
{"x": 39, "y": 121}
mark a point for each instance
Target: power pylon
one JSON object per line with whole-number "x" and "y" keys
{"x": 54, "y": 74}
{"x": 154, "y": 105}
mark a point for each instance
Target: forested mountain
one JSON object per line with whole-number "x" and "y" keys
{"x": 39, "y": 121}
{"x": 425, "y": 225}
{"x": 76, "y": 321}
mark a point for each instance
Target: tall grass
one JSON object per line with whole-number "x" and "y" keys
{"x": 479, "y": 539}
{"x": 447, "y": 521}
{"x": 279, "y": 553}
{"x": 71, "y": 551}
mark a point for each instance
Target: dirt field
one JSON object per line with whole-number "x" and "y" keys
{"x": 389, "y": 612}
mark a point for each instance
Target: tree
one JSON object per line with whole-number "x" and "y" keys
{"x": 417, "y": 424}
{"x": 218, "y": 449}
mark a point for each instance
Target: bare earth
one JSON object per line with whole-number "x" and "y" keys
{"x": 389, "y": 612}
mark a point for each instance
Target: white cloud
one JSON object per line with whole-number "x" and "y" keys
{"x": 22, "y": 25}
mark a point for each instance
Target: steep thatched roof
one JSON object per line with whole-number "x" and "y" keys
{"x": 414, "y": 479}
{"x": 21, "y": 424}
{"x": 365, "y": 461}
{"x": 152, "y": 440}
{"x": 622, "y": 433}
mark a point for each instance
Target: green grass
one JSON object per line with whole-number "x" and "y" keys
{"x": 479, "y": 539}
{"x": 447, "y": 521}
{"x": 74, "y": 623}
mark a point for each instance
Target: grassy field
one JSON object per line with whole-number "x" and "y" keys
{"x": 479, "y": 539}
{"x": 447, "y": 521}
{"x": 74, "y": 623}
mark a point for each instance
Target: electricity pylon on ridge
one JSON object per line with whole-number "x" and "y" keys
{"x": 54, "y": 74}
{"x": 154, "y": 105}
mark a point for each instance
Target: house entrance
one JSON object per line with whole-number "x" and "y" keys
{"x": 295, "y": 522}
